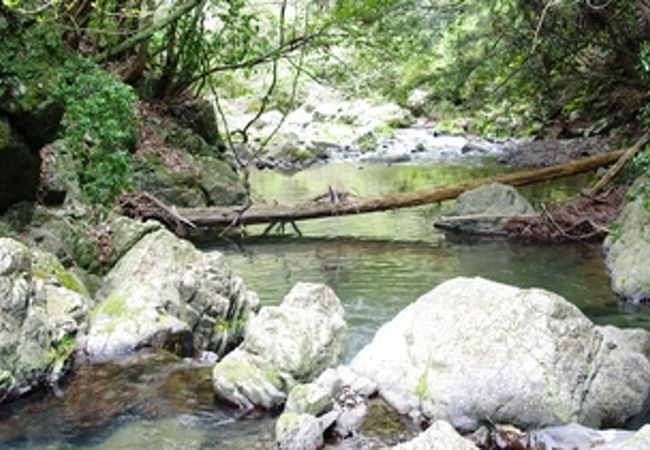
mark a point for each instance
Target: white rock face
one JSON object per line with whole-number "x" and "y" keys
{"x": 638, "y": 441}
{"x": 627, "y": 252}
{"x": 298, "y": 432}
{"x": 473, "y": 349}
{"x": 43, "y": 308}
{"x": 325, "y": 117}
{"x": 166, "y": 293}
{"x": 284, "y": 345}
{"x": 576, "y": 437}
{"x": 439, "y": 436}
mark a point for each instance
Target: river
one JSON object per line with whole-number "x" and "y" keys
{"x": 376, "y": 263}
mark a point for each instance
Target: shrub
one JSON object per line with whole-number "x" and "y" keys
{"x": 99, "y": 127}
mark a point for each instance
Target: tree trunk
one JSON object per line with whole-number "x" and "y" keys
{"x": 221, "y": 217}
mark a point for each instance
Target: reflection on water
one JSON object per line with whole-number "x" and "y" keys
{"x": 148, "y": 400}
{"x": 377, "y": 279}
{"x": 377, "y": 264}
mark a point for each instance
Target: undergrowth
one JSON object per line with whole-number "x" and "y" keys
{"x": 99, "y": 126}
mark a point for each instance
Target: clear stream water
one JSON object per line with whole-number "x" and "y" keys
{"x": 377, "y": 264}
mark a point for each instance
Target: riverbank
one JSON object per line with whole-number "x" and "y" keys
{"x": 374, "y": 274}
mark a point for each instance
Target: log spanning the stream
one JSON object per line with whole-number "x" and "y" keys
{"x": 227, "y": 217}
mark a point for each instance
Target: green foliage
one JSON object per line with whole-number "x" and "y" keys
{"x": 615, "y": 231}
{"x": 29, "y": 62}
{"x": 99, "y": 126}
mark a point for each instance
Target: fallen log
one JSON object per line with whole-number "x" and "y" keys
{"x": 221, "y": 217}
{"x": 616, "y": 168}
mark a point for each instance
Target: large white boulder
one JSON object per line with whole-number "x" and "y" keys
{"x": 165, "y": 293}
{"x": 472, "y": 350}
{"x": 283, "y": 346}
{"x": 627, "y": 248}
{"x": 43, "y": 308}
{"x": 439, "y": 436}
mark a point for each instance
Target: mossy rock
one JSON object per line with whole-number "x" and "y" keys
{"x": 198, "y": 115}
{"x": 176, "y": 187}
{"x": 59, "y": 180}
{"x": 33, "y": 59}
{"x": 220, "y": 183}
{"x": 45, "y": 266}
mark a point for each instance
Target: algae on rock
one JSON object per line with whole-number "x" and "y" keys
{"x": 283, "y": 346}
{"x": 165, "y": 293}
{"x": 40, "y": 317}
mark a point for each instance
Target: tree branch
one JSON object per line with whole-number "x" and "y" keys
{"x": 147, "y": 33}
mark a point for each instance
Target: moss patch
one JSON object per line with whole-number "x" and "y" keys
{"x": 273, "y": 377}
{"x": 63, "y": 348}
{"x": 222, "y": 325}
{"x": 46, "y": 267}
{"x": 113, "y": 306}
{"x": 421, "y": 387}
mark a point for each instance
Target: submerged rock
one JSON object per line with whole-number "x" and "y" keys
{"x": 439, "y": 436}
{"x": 628, "y": 247}
{"x": 165, "y": 293}
{"x": 485, "y": 210}
{"x": 472, "y": 350}
{"x": 42, "y": 309}
{"x": 283, "y": 346}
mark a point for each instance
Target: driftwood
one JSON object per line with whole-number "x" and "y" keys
{"x": 143, "y": 206}
{"x": 222, "y": 217}
{"x": 582, "y": 218}
{"x": 616, "y": 168}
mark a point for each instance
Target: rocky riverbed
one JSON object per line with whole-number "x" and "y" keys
{"x": 466, "y": 357}
{"x": 158, "y": 335}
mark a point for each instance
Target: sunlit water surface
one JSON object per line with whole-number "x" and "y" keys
{"x": 377, "y": 264}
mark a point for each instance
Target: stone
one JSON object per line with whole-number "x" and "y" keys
{"x": 326, "y": 121}
{"x": 298, "y": 432}
{"x": 309, "y": 398}
{"x": 446, "y": 356}
{"x": 220, "y": 183}
{"x": 638, "y": 441}
{"x": 165, "y": 293}
{"x": 174, "y": 186}
{"x": 350, "y": 419}
{"x": 358, "y": 385}
{"x": 330, "y": 381}
{"x": 199, "y": 116}
{"x": 577, "y": 437}
{"x": 485, "y": 210}
{"x": 549, "y": 152}
{"x": 439, "y": 436}
{"x": 59, "y": 181}
{"x": 626, "y": 250}
{"x": 43, "y": 308}
{"x": 283, "y": 346}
